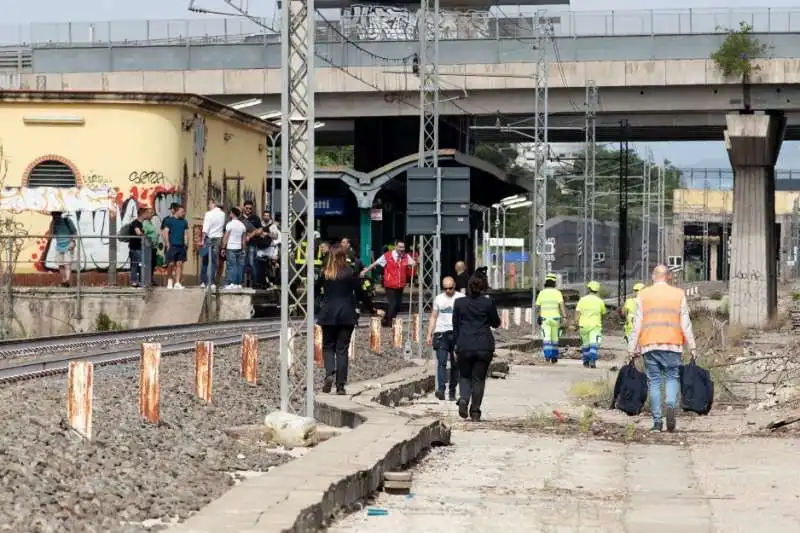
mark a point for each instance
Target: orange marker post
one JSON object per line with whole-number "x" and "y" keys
{"x": 203, "y": 369}
{"x": 149, "y": 383}
{"x": 80, "y": 384}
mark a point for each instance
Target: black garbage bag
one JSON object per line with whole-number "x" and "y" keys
{"x": 630, "y": 390}
{"x": 697, "y": 388}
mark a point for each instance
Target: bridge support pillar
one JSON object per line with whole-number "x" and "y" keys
{"x": 753, "y": 143}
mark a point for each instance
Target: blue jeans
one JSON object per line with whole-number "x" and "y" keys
{"x": 444, "y": 344}
{"x": 235, "y": 266}
{"x": 250, "y": 265}
{"x": 135, "y": 257}
{"x": 660, "y": 363}
{"x": 211, "y": 256}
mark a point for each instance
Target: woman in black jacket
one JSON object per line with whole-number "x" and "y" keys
{"x": 473, "y": 320}
{"x": 337, "y": 316}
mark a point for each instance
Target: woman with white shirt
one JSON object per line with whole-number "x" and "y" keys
{"x": 233, "y": 247}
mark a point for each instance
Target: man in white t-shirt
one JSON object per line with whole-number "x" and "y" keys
{"x": 234, "y": 245}
{"x": 441, "y": 337}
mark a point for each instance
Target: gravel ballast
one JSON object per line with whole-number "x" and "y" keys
{"x": 133, "y": 472}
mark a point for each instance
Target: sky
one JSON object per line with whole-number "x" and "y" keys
{"x": 695, "y": 154}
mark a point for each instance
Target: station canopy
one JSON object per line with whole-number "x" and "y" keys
{"x": 51, "y": 199}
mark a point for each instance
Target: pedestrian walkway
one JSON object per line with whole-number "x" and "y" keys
{"x": 491, "y": 480}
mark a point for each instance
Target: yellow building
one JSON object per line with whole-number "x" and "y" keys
{"x": 151, "y": 148}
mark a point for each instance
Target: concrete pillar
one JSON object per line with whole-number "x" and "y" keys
{"x": 753, "y": 143}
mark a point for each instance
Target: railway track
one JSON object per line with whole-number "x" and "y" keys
{"x": 12, "y": 371}
{"x": 118, "y": 339}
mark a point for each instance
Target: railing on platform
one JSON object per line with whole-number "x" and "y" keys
{"x": 388, "y": 24}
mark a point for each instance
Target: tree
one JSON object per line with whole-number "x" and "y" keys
{"x": 565, "y": 188}
{"x": 735, "y": 56}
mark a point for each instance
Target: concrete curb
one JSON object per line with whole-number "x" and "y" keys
{"x": 303, "y": 495}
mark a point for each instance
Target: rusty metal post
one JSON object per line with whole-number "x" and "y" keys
{"x": 397, "y": 333}
{"x": 415, "y": 327}
{"x": 318, "y": 346}
{"x": 528, "y": 315}
{"x": 80, "y": 382}
{"x": 203, "y": 369}
{"x": 504, "y": 319}
{"x": 375, "y": 334}
{"x": 149, "y": 386}
{"x": 351, "y": 350}
{"x": 517, "y": 316}
{"x": 249, "y": 357}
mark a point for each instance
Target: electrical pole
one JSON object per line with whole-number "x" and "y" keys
{"x": 430, "y": 247}
{"x": 589, "y": 180}
{"x": 543, "y": 32}
{"x": 648, "y": 170}
{"x": 622, "y": 256}
{"x": 297, "y": 206}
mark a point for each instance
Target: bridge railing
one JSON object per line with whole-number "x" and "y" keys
{"x": 388, "y": 24}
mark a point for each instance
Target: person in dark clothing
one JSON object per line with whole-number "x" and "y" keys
{"x": 461, "y": 277}
{"x": 473, "y": 320}
{"x": 337, "y": 316}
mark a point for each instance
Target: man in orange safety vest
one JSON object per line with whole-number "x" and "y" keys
{"x": 661, "y": 328}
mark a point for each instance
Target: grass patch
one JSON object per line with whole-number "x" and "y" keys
{"x": 596, "y": 393}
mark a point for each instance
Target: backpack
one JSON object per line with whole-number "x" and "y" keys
{"x": 630, "y": 390}
{"x": 697, "y": 388}
{"x": 125, "y": 233}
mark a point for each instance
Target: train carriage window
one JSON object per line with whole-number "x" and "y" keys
{"x": 51, "y": 173}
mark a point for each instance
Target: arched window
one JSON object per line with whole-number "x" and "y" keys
{"x": 52, "y": 173}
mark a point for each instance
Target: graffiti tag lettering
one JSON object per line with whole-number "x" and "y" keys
{"x": 382, "y": 23}
{"x": 753, "y": 275}
{"x": 95, "y": 181}
{"x": 146, "y": 177}
{"x": 93, "y": 227}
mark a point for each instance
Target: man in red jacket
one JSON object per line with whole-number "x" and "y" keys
{"x": 395, "y": 265}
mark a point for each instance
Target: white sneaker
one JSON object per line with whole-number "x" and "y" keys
{"x": 178, "y": 286}
{"x": 202, "y": 285}
{"x": 169, "y": 284}
{"x": 213, "y": 287}
{"x": 229, "y": 287}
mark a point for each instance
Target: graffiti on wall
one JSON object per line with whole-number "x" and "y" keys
{"x": 147, "y": 177}
{"x": 383, "y": 23}
{"x": 94, "y": 227}
{"x": 93, "y": 180}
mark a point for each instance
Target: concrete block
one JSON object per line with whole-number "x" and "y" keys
{"x": 305, "y": 494}
{"x": 245, "y": 81}
{"x": 769, "y": 71}
{"x": 685, "y": 72}
{"x": 163, "y": 81}
{"x": 606, "y": 73}
{"x": 204, "y": 81}
{"x": 124, "y": 81}
{"x": 791, "y": 70}
{"x": 81, "y": 82}
{"x": 645, "y": 73}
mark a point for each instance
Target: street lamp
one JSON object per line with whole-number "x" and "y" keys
{"x": 507, "y": 204}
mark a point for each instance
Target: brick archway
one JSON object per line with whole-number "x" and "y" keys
{"x": 52, "y": 157}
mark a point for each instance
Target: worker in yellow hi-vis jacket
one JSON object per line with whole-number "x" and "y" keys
{"x": 629, "y": 310}
{"x": 550, "y": 311}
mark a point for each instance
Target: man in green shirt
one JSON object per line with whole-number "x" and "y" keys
{"x": 589, "y": 317}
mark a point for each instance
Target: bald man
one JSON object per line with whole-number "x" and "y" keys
{"x": 441, "y": 337}
{"x": 462, "y": 278}
{"x": 661, "y": 328}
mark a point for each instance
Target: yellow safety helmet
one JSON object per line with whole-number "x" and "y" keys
{"x": 638, "y": 286}
{"x": 593, "y": 286}
{"x": 551, "y": 277}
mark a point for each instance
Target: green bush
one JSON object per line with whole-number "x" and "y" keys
{"x": 734, "y": 57}
{"x": 104, "y": 323}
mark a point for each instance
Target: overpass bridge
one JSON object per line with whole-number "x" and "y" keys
{"x": 661, "y": 81}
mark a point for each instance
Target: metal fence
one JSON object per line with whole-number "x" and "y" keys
{"x": 382, "y": 23}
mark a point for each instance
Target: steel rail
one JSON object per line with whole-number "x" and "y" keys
{"x": 49, "y": 365}
{"x": 15, "y": 347}
{"x": 52, "y": 366}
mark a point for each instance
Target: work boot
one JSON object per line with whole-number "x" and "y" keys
{"x": 593, "y": 364}
{"x": 340, "y": 390}
{"x": 327, "y": 384}
{"x": 475, "y": 416}
{"x": 658, "y": 426}
{"x": 439, "y": 395}
{"x": 463, "y": 410}
{"x": 670, "y": 419}
{"x": 452, "y": 396}
{"x": 586, "y": 364}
